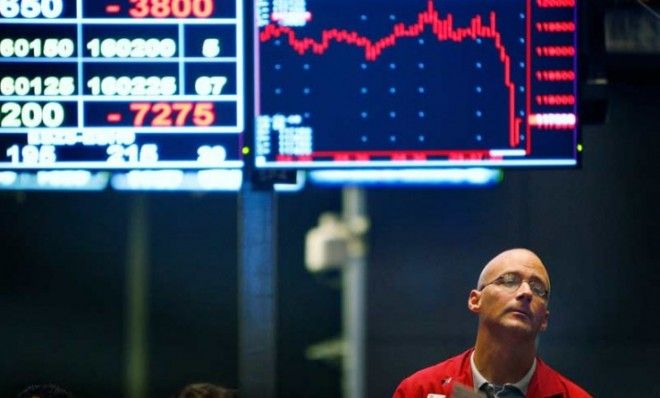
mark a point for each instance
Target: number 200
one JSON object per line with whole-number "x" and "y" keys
{"x": 31, "y": 114}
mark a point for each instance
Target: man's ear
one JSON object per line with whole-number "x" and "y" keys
{"x": 474, "y": 301}
{"x": 544, "y": 323}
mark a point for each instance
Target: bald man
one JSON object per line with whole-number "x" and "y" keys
{"x": 511, "y": 301}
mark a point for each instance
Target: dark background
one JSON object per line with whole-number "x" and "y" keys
{"x": 62, "y": 296}
{"x": 63, "y": 258}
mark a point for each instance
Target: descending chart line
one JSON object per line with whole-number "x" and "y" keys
{"x": 443, "y": 29}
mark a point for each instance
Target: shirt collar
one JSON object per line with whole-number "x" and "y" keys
{"x": 478, "y": 379}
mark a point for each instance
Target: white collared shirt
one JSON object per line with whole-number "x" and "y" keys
{"x": 478, "y": 379}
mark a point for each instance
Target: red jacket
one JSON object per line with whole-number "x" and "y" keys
{"x": 440, "y": 378}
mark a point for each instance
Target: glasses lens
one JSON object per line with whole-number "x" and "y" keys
{"x": 513, "y": 281}
{"x": 510, "y": 281}
{"x": 538, "y": 288}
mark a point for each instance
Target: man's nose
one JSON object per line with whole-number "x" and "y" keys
{"x": 525, "y": 289}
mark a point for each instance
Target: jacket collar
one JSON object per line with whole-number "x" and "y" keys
{"x": 463, "y": 374}
{"x": 542, "y": 383}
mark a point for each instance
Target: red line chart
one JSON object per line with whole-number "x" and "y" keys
{"x": 443, "y": 29}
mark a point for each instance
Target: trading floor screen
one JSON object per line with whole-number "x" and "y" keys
{"x": 363, "y": 83}
{"x": 121, "y": 84}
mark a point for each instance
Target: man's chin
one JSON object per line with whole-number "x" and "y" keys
{"x": 520, "y": 326}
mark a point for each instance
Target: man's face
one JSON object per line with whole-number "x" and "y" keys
{"x": 502, "y": 304}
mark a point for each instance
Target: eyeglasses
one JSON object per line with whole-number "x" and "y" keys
{"x": 512, "y": 281}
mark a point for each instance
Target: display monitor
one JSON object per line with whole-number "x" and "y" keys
{"x": 416, "y": 83}
{"x": 121, "y": 84}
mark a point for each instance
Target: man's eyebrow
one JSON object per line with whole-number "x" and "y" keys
{"x": 538, "y": 278}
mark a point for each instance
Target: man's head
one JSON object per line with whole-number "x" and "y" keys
{"x": 512, "y": 294}
{"x": 45, "y": 391}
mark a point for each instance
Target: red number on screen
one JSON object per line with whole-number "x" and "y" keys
{"x": 171, "y": 8}
{"x": 165, "y": 114}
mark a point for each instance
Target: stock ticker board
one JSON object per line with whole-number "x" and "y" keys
{"x": 160, "y": 84}
{"x": 121, "y": 84}
{"x": 348, "y": 83}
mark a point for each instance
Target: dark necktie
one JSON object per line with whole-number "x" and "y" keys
{"x": 488, "y": 389}
{"x": 504, "y": 392}
{"x": 512, "y": 391}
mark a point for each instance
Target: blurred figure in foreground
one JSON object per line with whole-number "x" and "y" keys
{"x": 45, "y": 391}
{"x": 206, "y": 390}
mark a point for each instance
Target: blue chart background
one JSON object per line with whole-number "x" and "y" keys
{"x": 406, "y": 106}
